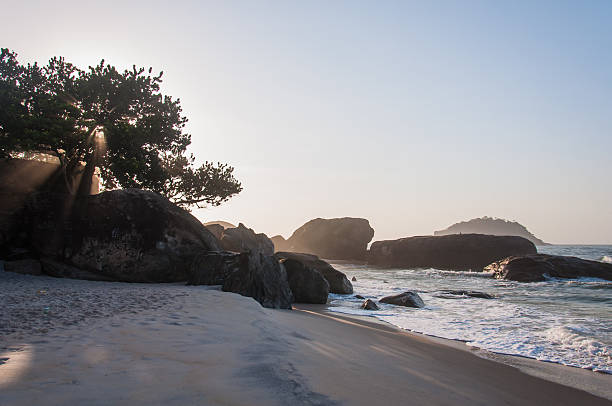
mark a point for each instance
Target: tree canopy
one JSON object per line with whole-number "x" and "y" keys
{"x": 118, "y": 122}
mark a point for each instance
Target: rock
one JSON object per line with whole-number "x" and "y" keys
{"x": 306, "y": 283}
{"x": 280, "y": 244}
{"x": 453, "y": 252}
{"x": 340, "y": 238}
{"x": 221, "y": 223}
{"x": 125, "y": 235}
{"x": 243, "y": 239}
{"x": 359, "y": 297}
{"x": 213, "y": 268}
{"x": 369, "y": 305}
{"x": 466, "y": 293}
{"x": 262, "y": 278}
{"x": 338, "y": 282}
{"x": 491, "y": 226}
{"x": 216, "y": 230}
{"x": 353, "y": 279}
{"x": 408, "y": 299}
{"x": 62, "y": 270}
{"x": 532, "y": 268}
{"x": 24, "y": 266}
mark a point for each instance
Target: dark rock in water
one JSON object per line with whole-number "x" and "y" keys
{"x": 242, "y": 239}
{"x": 338, "y": 282}
{"x": 452, "y": 252}
{"x": 340, "y": 238}
{"x": 369, "y": 305}
{"x": 306, "y": 283}
{"x": 353, "y": 279}
{"x": 24, "y": 266}
{"x": 125, "y": 235}
{"x": 408, "y": 299}
{"x": 359, "y": 297}
{"x": 532, "y": 268}
{"x": 213, "y": 268}
{"x": 262, "y": 278}
{"x": 467, "y": 293}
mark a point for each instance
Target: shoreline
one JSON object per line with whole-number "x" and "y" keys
{"x": 204, "y": 346}
{"x": 595, "y": 382}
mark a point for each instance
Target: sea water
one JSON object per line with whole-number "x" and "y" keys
{"x": 559, "y": 320}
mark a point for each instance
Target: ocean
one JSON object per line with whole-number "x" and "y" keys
{"x": 563, "y": 321}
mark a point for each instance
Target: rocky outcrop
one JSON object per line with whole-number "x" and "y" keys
{"x": 535, "y": 268}
{"x": 221, "y": 223}
{"x": 123, "y": 235}
{"x": 490, "y": 226}
{"x": 262, "y": 278}
{"x": 24, "y": 266}
{"x": 338, "y": 282}
{"x": 453, "y": 252}
{"x": 243, "y": 239}
{"x": 212, "y": 268}
{"x": 306, "y": 283}
{"x": 369, "y": 304}
{"x": 340, "y": 238}
{"x": 280, "y": 244}
{"x": 407, "y": 299}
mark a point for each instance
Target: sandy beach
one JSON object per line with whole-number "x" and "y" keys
{"x": 98, "y": 343}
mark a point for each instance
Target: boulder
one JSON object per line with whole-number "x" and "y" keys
{"x": 216, "y": 230}
{"x": 125, "y": 235}
{"x": 340, "y": 238}
{"x": 262, "y": 278}
{"x": 280, "y": 244}
{"x": 243, "y": 239}
{"x": 24, "y": 266}
{"x": 454, "y": 294}
{"x": 407, "y": 299}
{"x": 353, "y": 279}
{"x": 338, "y": 282}
{"x": 533, "y": 268}
{"x": 213, "y": 268}
{"x": 369, "y": 305}
{"x": 306, "y": 283}
{"x": 453, "y": 252}
{"x": 359, "y": 297}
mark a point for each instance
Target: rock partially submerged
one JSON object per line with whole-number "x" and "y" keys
{"x": 338, "y": 282}
{"x": 407, "y": 299}
{"x": 533, "y": 268}
{"x": 369, "y": 304}
{"x": 465, "y": 293}
{"x": 306, "y": 283}
{"x": 340, "y": 238}
{"x": 452, "y": 252}
{"x": 125, "y": 235}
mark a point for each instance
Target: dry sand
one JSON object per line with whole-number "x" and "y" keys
{"x": 98, "y": 343}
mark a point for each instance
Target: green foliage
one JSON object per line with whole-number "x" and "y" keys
{"x": 116, "y": 121}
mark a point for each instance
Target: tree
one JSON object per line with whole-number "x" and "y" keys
{"x": 118, "y": 122}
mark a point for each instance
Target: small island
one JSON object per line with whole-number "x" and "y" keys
{"x": 491, "y": 226}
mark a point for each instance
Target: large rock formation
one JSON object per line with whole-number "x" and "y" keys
{"x": 249, "y": 274}
{"x": 340, "y": 238}
{"x": 124, "y": 235}
{"x": 262, "y": 278}
{"x": 453, "y": 252}
{"x": 242, "y": 239}
{"x": 532, "y": 268}
{"x": 338, "y": 282}
{"x": 306, "y": 283}
{"x": 406, "y": 299}
{"x": 490, "y": 226}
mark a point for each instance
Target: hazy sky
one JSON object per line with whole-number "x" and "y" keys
{"x": 414, "y": 115}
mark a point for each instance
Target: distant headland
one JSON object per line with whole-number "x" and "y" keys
{"x": 491, "y": 226}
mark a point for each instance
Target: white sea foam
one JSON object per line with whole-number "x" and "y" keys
{"x": 562, "y": 321}
{"x": 606, "y": 258}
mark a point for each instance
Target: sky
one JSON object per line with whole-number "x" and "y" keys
{"x": 414, "y": 115}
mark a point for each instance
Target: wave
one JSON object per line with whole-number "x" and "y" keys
{"x": 607, "y": 259}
